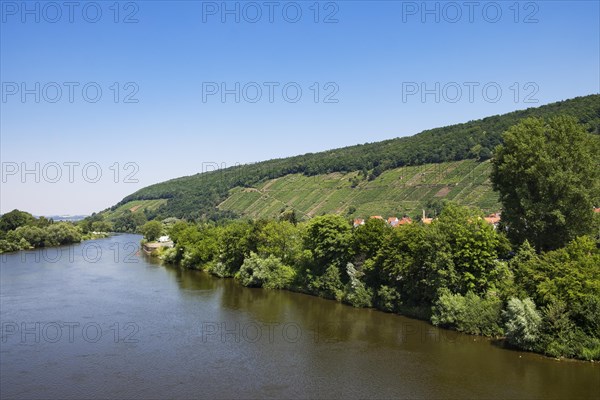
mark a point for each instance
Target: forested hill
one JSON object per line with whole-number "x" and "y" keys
{"x": 198, "y": 195}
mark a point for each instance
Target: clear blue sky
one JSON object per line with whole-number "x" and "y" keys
{"x": 372, "y": 56}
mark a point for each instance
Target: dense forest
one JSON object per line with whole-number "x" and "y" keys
{"x": 196, "y": 197}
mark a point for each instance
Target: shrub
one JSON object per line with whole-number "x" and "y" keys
{"x": 522, "y": 323}
{"x": 328, "y": 285}
{"x": 269, "y": 272}
{"x": 387, "y": 299}
{"x": 357, "y": 294}
{"x": 470, "y": 313}
{"x": 220, "y": 269}
{"x": 169, "y": 256}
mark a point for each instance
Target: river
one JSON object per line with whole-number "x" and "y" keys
{"x": 101, "y": 320}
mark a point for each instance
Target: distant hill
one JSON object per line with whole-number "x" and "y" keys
{"x": 373, "y": 178}
{"x": 70, "y": 218}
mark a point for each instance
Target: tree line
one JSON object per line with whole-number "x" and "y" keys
{"x": 19, "y": 230}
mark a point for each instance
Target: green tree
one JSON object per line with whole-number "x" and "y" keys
{"x": 101, "y": 226}
{"x": 281, "y": 239}
{"x": 234, "y": 245}
{"x": 152, "y": 230}
{"x": 269, "y": 272}
{"x": 470, "y": 313}
{"x": 328, "y": 238}
{"x": 14, "y": 219}
{"x": 547, "y": 177}
{"x": 62, "y": 233}
{"x": 35, "y": 236}
{"x": 368, "y": 238}
{"x": 129, "y": 221}
{"x": 473, "y": 246}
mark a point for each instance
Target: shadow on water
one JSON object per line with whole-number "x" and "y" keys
{"x": 330, "y": 349}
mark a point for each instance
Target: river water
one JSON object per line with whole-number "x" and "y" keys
{"x": 101, "y": 320}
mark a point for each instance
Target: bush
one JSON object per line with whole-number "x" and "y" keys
{"x": 62, "y": 233}
{"x": 35, "y": 236}
{"x": 152, "y": 230}
{"x": 221, "y": 270}
{"x": 8, "y": 246}
{"x": 328, "y": 285}
{"x": 387, "y": 299}
{"x": 357, "y": 294}
{"x": 169, "y": 256}
{"x": 269, "y": 272}
{"x": 470, "y": 313}
{"x": 522, "y": 323}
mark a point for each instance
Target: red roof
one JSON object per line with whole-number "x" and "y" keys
{"x": 405, "y": 220}
{"x": 376, "y": 217}
{"x": 597, "y": 210}
{"x": 492, "y": 218}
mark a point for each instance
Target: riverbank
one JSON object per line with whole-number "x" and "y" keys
{"x": 154, "y": 248}
{"x": 57, "y": 234}
{"x": 458, "y": 273}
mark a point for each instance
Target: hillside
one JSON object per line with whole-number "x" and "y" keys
{"x": 396, "y": 192}
{"x": 382, "y": 188}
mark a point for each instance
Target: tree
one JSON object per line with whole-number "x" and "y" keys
{"x": 269, "y": 272}
{"x": 152, "y": 230}
{"x": 14, "y": 219}
{"x": 62, "y": 233}
{"x": 280, "y": 239}
{"x": 474, "y": 246}
{"x": 470, "y": 313}
{"x": 101, "y": 226}
{"x": 35, "y": 236}
{"x": 129, "y": 221}
{"x": 235, "y": 243}
{"x": 328, "y": 237}
{"x": 368, "y": 238}
{"x": 547, "y": 177}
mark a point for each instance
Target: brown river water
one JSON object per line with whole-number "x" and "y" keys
{"x": 101, "y": 320}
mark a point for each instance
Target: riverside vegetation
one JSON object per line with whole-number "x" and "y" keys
{"x": 19, "y": 230}
{"x": 534, "y": 281}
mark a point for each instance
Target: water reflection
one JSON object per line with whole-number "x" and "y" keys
{"x": 200, "y": 336}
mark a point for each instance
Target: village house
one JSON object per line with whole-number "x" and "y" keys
{"x": 405, "y": 221}
{"x": 493, "y": 219}
{"x": 426, "y": 220}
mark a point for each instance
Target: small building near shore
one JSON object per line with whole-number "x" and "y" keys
{"x": 150, "y": 248}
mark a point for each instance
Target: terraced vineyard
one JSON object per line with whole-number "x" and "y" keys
{"x": 400, "y": 191}
{"x": 134, "y": 206}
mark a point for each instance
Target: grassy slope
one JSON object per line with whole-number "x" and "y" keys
{"x": 400, "y": 191}
{"x": 135, "y": 206}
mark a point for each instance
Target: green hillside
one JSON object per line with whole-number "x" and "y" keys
{"x": 207, "y": 195}
{"x": 136, "y": 206}
{"x": 396, "y": 192}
